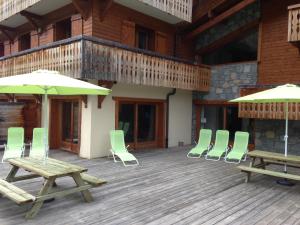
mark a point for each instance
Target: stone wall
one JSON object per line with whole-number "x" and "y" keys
{"x": 227, "y": 79}
{"x": 269, "y": 136}
{"x": 225, "y": 83}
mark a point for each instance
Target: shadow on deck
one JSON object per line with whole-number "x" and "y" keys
{"x": 167, "y": 188}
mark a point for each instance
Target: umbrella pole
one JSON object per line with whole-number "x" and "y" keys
{"x": 285, "y": 181}
{"x": 286, "y": 132}
{"x": 46, "y": 127}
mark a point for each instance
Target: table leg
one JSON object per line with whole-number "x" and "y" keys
{"x": 38, "y": 204}
{"x": 85, "y": 194}
{"x": 262, "y": 162}
{"x": 12, "y": 173}
{"x": 248, "y": 174}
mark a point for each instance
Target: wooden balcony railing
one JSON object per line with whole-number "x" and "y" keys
{"x": 294, "y": 23}
{"x": 91, "y": 58}
{"x": 269, "y": 111}
{"x": 179, "y": 8}
{"x": 11, "y": 7}
{"x": 266, "y": 110}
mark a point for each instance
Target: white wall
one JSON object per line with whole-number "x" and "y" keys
{"x": 180, "y": 113}
{"x": 96, "y": 123}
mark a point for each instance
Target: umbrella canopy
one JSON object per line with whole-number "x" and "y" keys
{"x": 46, "y": 83}
{"x": 287, "y": 93}
{"x": 50, "y": 82}
{"x": 284, "y": 93}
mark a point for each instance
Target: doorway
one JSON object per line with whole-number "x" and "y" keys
{"x": 65, "y": 124}
{"x": 142, "y": 122}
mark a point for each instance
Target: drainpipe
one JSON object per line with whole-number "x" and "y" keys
{"x": 173, "y": 92}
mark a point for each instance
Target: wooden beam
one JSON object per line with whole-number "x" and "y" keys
{"x": 7, "y": 35}
{"x": 239, "y": 33}
{"x": 106, "y": 5}
{"x": 83, "y": 7}
{"x": 236, "y": 8}
{"x": 84, "y": 100}
{"x": 205, "y": 8}
{"x": 38, "y": 98}
{"x": 105, "y": 84}
{"x": 31, "y": 17}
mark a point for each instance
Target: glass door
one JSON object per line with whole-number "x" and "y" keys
{"x": 70, "y": 125}
{"x": 146, "y": 123}
{"x": 139, "y": 123}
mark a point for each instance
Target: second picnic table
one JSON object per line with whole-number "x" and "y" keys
{"x": 266, "y": 158}
{"x": 50, "y": 171}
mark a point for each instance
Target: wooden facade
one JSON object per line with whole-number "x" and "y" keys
{"x": 279, "y": 59}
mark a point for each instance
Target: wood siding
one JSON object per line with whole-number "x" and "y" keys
{"x": 119, "y": 23}
{"x": 280, "y": 61}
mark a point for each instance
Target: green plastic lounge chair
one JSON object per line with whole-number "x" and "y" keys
{"x": 119, "y": 149}
{"x": 203, "y": 144}
{"x": 15, "y": 143}
{"x": 240, "y": 148}
{"x": 37, "y": 148}
{"x": 220, "y": 147}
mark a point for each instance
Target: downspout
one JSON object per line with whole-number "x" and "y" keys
{"x": 173, "y": 92}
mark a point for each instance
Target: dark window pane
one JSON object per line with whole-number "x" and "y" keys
{"x": 126, "y": 121}
{"x": 146, "y": 123}
{"x": 66, "y": 123}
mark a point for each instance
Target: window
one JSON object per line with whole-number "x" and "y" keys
{"x": 144, "y": 38}
{"x": 63, "y": 29}
{"x": 1, "y": 49}
{"x": 24, "y": 42}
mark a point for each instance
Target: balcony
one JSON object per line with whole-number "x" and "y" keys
{"x": 170, "y": 11}
{"x": 294, "y": 24}
{"x": 10, "y": 10}
{"x": 92, "y": 58}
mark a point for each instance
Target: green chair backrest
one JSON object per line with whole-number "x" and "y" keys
{"x": 126, "y": 128}
{"x": 222, "y": 138}
{"x": 15, "y": 138}
{"x": 117, "y": 141}
{"x": 241, "y": 141}
{"x": 204, "y": 138}
{"x": 38, "y": 145}
{"x": 120, "y": 125}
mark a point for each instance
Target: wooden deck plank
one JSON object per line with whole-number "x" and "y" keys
{"x": 167, "y": 188}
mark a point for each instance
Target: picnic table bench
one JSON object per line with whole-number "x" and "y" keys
{"x": 50, "y": 171}
{"x": 266, "y": 158}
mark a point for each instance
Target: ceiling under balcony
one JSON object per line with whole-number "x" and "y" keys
{"x": 41, "y": 7}
{"x": 166, "y": 10}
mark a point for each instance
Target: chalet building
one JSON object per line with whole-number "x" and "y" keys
{"x": 172, "y": 66}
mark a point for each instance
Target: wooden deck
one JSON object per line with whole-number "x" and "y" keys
{"x": 167, "y": 188}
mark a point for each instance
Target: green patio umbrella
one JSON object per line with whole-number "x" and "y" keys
{"x": 287, "y": 93}
{"x": 45, "y": 82}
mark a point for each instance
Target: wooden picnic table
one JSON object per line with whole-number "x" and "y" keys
{"x": 50, "y": 171}
{"x": 261, "y": 159}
